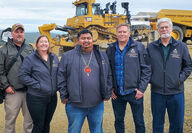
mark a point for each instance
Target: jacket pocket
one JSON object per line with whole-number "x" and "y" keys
{"x": 173, "y": 82}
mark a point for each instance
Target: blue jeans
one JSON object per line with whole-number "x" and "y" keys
{"x": 175, "y": 105}
{"x": 76, "y": 117}
{"x": 119, "y": 108}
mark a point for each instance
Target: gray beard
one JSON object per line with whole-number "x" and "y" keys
{"x": 165, "y": 35}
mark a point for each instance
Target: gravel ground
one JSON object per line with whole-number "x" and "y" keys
{"x": 59, "y": 122}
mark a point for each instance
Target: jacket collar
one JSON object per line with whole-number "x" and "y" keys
{"x": 10, "y": 42}
{"x": 174, "y": 42}
{"x": 78, "y": 47}
{"x": 132, "y": 43}
{"x": 38, "y": 55}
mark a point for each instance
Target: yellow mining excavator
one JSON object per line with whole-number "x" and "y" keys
{"x": 101, "y": 22}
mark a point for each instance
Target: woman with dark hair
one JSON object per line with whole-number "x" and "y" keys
{"x": 38, "y": 72}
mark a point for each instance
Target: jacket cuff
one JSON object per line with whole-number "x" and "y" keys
{"x": 63, "y": 97}
{"x": 6, "y": 87}
{"x": 142, "y": 90}
{"x": 181, "y": 78}
{"x": 37, "y": 86}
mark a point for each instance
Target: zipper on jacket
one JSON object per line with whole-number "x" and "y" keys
{"x": 51, "y": 67}
{"x": 50, "y": 72}
{"x": 129, "y": 47}
{"x": 164, "y": 67}
{"x": 164, "y": 64}
{"x": 80, "y": 75}
{"x": 164, "y": 70}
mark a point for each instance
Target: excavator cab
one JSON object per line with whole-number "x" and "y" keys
{"x": 81, "y": 9}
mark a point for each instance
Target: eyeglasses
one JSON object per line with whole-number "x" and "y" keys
{"x": 164, "y": 27}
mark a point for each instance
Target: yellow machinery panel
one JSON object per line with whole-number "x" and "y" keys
{"x": 182, "y": 17}
{"x": 182, "y": 22}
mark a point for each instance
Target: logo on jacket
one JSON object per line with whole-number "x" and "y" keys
{"x": 103, "y": 62}
{"x": 54, "y": 64}
{"x": 175, "y": 54}
{"x": 132, "y": 53}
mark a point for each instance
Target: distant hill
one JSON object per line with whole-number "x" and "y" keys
{"x": 29, "y": 36}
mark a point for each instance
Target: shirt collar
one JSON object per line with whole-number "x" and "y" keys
{"x": 125, "y": 48}
{"x": 170, "y": 42}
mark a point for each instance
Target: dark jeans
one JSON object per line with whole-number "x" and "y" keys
{"x": 41, "y": 110}
{"x": 175, "y": 106}
{"x": 119, "y": 108}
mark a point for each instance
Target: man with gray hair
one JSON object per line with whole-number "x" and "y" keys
{"x": 171, "y": 65}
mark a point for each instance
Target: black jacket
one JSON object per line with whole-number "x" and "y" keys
{"x": 168, "y": 76}
{"x": 136, "y": 70}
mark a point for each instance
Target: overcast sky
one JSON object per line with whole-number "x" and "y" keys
{"x": 33, "y": 13}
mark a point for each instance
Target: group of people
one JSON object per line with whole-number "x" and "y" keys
{"x": 86, "y": 77}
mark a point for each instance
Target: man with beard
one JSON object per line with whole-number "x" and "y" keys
{"x": 171, "y": 65}
{"x": 15, "y": 98}
{"x": 84, "y": 81}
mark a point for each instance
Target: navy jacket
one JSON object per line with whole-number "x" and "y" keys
{"x": 168, "y": 76}
{"x": 69, "y": 74}
{"x": 34, "y": 73}
{"x": 136, "y": 70}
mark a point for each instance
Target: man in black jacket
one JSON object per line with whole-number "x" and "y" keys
{"x": 131, "y": 75}
{"x": 171, "y": 65}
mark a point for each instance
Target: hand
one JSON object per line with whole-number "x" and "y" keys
{"x": 113, "y": 96}
{"x": 107, "y": 99}
{"x": 65, "y": 100}
{"x": 139, "y": 94}
{"x": 10, "y": 90}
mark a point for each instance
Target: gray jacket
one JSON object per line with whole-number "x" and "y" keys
{"x": 7, "y": 53}
{"x": 68, "y": 79}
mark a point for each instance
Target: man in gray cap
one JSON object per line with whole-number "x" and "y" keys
{"x": 11, "y": 57}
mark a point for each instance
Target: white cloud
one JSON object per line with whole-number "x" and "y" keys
{"x": 33, "y": 13}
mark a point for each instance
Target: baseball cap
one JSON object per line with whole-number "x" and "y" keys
{"x": 16, "y": 26}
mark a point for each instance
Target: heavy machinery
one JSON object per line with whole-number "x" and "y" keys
{"x": 182, "y": 22}
{"x": 101, "y": 22}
